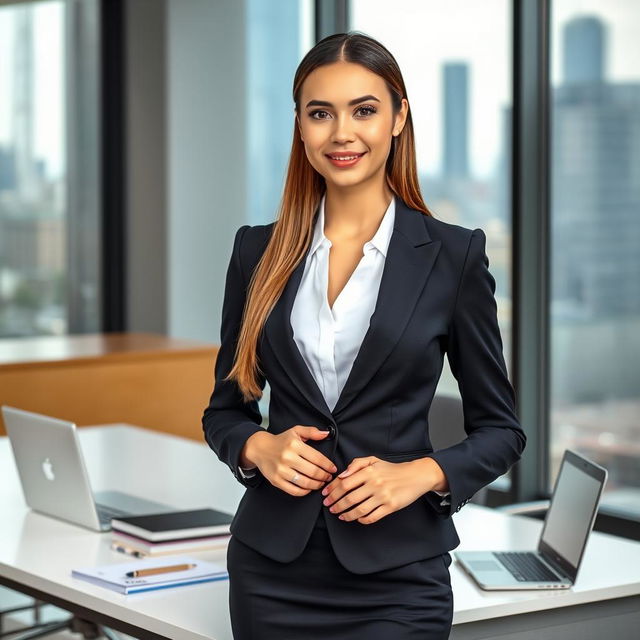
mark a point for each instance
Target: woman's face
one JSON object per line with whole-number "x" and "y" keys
{"x": 344, "y": 107}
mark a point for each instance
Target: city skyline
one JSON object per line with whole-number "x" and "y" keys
{"x": 422, "y": 74}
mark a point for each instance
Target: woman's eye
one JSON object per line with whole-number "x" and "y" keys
{"x": 367, "y": 110}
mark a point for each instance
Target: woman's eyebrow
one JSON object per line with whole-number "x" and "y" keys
{"x": 324, "y": 103}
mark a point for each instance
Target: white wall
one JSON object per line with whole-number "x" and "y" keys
{"x": 206, "y": 158}
{"x": 186, "y": 148}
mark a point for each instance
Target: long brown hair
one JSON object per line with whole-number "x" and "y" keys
{"x": 303, "y": 190}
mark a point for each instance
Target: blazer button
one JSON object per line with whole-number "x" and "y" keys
{"x": 332, "y": 432}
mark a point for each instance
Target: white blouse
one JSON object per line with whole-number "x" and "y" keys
{"x": 329, "y": 338}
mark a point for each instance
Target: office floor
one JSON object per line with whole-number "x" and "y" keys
{"x": 10, "y": 599}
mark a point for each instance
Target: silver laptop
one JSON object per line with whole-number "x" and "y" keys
{"x": 54, "y": 477}
{"x": 567, "y": 525}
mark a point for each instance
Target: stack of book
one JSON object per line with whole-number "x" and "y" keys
{"x": 170, "y": 533}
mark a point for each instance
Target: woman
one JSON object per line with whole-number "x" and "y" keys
{"x": 346, "y": 305}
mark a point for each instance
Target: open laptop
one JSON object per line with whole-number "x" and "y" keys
{"x": 54, "y": 477}
{"x": 567, "y": 525}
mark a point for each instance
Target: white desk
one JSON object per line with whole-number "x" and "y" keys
{"x": 37, "y": 553}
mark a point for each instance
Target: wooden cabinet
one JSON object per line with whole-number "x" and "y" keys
{"x": 144, "y": 379}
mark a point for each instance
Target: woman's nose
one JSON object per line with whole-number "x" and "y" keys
{"x": 343, "y": 130}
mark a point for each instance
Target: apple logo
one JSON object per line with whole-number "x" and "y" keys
{"x": 47, "y": 467}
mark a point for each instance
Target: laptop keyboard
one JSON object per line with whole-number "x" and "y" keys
{"x": 106, "y": 513}
{"x": 525, "y": 566}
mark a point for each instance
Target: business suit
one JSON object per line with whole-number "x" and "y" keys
{"x": 435, "y": 296}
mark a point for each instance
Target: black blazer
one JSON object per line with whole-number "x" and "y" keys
{"x": 436, "y": 296}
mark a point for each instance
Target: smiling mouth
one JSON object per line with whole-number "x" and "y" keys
{"x": 345, "y": 158}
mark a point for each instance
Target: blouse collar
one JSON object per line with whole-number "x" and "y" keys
{"x": 380, "y": 240}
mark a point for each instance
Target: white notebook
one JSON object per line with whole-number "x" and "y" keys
{"x": 113, "y": 576}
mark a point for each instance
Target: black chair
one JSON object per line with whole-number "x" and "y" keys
{"x": 446, "y": 428}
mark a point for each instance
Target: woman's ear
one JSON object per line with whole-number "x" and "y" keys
{"x": 401, "y": 117}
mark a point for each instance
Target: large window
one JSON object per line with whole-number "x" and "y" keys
{"x": 278, "y": 36}
{"x": 49, "y": 257}
{"x": 456, "y": 63}
{"x": 595, "y": 241}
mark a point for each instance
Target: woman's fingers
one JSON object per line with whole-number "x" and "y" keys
{"x": 293, "y": 456}
{"x": 349, "y": 499}
{"x": 366, "y": 512}
{"x": 308, "y": 476}
{"x": 356, "y": 464}
{"x": 317, "y": 477}
{"x": 315, "y": 457}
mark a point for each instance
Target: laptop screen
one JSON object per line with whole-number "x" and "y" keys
{"x": 572, "y": 511}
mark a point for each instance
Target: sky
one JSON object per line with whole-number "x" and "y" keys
{"x": 421, "y": 34}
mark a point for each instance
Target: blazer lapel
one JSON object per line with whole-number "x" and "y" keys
{"x": 279, "y": 333}
{"x": 410, "y": 259}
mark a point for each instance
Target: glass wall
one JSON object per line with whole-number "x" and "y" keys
{"x": 456, "y": 63}
{"x": 278, "y": 36}
{"x": 595, "y": 242}
{"x": 32, "y": 169}
{"x": 49, "y": 200}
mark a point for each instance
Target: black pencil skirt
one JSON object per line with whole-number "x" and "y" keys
{"x": 316, "y": 597}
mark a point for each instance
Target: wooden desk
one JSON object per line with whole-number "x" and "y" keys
{"x": 146, "y": 379}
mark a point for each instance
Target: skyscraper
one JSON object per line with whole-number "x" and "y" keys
{"x": 583, "y": 51}
{"x": 22, "y": 108}
{"x": 456, "y": 120}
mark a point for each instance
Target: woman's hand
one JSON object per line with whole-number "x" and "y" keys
{"x": 280, "y": 456}
{"x": 370, "y": 489}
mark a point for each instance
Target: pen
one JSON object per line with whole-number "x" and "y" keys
{"x": 154, "y": 570}
{"x": 128, "y": 550}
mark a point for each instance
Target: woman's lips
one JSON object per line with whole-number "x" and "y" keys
{"x": 345, "y": 163}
